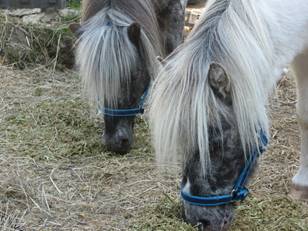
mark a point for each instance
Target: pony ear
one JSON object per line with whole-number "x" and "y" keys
{"x": 75, "y": 28}
{"x": 219, "y": 81}
{"x": 134, "y": 33}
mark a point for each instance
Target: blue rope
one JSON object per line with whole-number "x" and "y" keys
{"x": 239, "y": 192}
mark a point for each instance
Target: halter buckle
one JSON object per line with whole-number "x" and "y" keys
{"x": 239, "y": 194}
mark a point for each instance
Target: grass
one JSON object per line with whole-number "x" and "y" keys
{"x": 47, "y": 131}
{"x": 166, "y": 215}
{"x": 255, "y": 214}
{"x": 75, "y": 4}
{"x": 272, "y": 213}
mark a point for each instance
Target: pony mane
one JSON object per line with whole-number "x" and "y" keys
{"x": 105, "y": 54}
{"x": 232, "y": 33}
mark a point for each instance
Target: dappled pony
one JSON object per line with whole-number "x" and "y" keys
{"x": 119, "y": 42}
{"x": 209, "y": 103}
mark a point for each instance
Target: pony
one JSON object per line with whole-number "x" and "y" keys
{"x": 209, "y": 104}
{"x": 119, "y": 42}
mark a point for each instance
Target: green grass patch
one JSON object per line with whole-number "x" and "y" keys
{"x": 54, "y": 129}
{"x": 74, "y": 4}
{"x": 164, "y": 216}
{"x": 270, "y": 214}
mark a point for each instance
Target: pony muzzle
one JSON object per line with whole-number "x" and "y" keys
{"x": 121, "y": 141}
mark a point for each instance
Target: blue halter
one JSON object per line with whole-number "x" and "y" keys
{"x": 130, "y": 112}
{"x": 239, "y": 192}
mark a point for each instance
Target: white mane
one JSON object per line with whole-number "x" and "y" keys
{"x": 105, "y": 54}
{"x": 247, "y": 38}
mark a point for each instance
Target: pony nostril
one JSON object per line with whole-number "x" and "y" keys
{"x": 203, "y": 225}
{"x": 124, "y": 142}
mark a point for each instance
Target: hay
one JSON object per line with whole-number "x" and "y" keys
{"x": 56, "y": 175}
{"x": 23, "y": 45}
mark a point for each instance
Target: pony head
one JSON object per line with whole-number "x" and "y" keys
{"x": 224, "y": 162}
{"x": 117, "y": 60}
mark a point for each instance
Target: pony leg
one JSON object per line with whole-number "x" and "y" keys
{"x": 172, "y": 21}
{"x": 300, "y": 180}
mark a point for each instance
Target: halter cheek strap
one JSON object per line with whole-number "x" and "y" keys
{"x": 130, "y": 112}
{"x": 239, "y": 192}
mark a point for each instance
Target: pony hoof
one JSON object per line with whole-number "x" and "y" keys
{"x": 299, "y": 192}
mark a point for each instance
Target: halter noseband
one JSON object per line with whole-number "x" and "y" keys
{"x": 239, "y": 192}
{"x": 130, "y": 112}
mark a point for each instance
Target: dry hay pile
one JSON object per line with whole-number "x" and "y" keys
{"x": 37, "y": 38}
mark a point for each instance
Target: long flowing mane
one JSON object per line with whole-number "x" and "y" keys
{"x": 235, "y": 34}
{"x": 105, "y": 54}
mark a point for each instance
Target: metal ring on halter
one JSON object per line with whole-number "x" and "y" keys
{"x": 239, "y": 192}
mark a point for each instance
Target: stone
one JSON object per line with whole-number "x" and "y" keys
{"x": 33, "y": 19}
{"x": 66, "y": 12}
{"x": 24, "y": 12}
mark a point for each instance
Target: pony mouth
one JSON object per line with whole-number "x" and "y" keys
{"x": 122, "y": 150}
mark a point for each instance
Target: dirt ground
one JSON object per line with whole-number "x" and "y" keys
{"x": 56, "y": 175}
